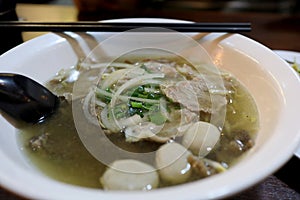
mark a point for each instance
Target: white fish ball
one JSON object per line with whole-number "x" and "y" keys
{"x": 172, "y": 164}
{"x": 201, "y": 137}
{"x": 130, "y": 174}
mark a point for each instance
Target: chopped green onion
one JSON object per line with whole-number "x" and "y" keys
{"x": 133, "y": 111}
{"x": 135, "y": 104}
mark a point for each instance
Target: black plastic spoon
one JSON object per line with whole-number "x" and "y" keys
{"x": 23, "y": 99}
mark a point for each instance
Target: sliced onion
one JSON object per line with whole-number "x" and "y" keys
{"x": 88, "y": 101}
{"x": 113, "y": 77}
{"x": 133, "y": 82}
{"x": 108, "y": 123}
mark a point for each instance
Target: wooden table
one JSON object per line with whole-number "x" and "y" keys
{"x": 276, "y": 31}
{"x": 41, "y": 12}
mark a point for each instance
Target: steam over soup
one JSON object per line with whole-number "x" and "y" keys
{"x": 195, "y": 122}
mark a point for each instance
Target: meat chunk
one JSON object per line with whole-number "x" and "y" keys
{"x": 166, "y": 68}
{"x": 241, "y": 142}
{"x": 180, "y": 120}
{"x": 37, "y": 142}
{"x": 200, "y": 167}
{"x": 234, "y": 146}
{"x": 201, "y": 93}
{"x": 189, "y": 94}
{"x": 205, "y": 167}
{"x": 144, "y": 131}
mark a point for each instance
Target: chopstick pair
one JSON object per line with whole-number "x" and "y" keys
{"x": 123, "y": 26}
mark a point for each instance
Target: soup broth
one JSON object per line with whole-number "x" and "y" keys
{"x": 56, "y": 149}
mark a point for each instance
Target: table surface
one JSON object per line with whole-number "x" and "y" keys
{"x": 276, "y": 31}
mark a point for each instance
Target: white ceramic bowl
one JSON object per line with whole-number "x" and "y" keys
{"x": 273, "y": 84}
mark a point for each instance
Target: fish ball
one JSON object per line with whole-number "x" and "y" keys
{"x": 200, "y": 138}
{"x": 130, "y": 174}
{"x": 172, "y": 164}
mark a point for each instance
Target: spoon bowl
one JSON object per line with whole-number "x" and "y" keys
{"x": 23, "y": 99}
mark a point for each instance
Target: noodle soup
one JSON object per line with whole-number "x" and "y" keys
{"x": 191, "y": 121}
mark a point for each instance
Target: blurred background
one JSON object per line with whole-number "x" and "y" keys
{"x": 270, "y": 18}
{"x": 102, "y": 9}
